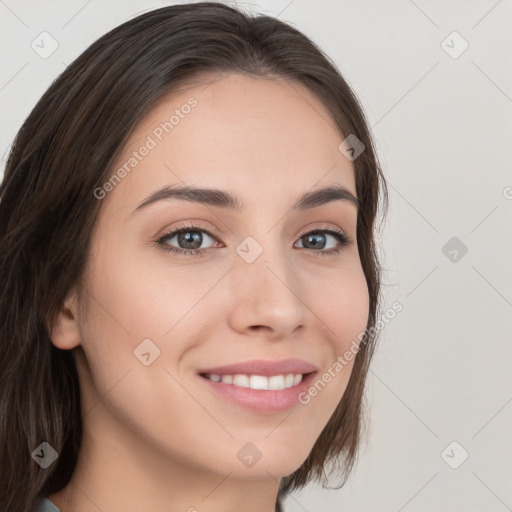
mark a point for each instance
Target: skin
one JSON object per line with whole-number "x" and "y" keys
{"x": 155, "y": 438}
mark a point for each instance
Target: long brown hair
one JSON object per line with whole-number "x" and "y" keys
{"x": 65, "y": 149}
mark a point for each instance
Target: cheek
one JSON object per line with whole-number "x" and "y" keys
{"x": 149, "y": 296}
{"x": 343, "y": 306}
{"x": 131, "y": 300}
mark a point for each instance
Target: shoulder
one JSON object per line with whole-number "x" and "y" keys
{"x": 45, "y": 505}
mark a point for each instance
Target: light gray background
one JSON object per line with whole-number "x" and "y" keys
{"x": 444, "y": 136}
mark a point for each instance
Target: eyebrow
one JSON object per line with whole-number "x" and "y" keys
{"x": 223, "y": 199}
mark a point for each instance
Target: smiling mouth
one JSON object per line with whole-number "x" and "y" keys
{"x": 258, "y": 382}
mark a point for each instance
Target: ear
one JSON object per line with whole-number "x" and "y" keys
{"x": 65, "y": 332}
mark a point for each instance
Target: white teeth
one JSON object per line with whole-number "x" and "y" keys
{"x": 275, "y": 382}
{"x": 258, "y": 382}
{"x": 241, "y": 380}
{"x": 227, "y": 379}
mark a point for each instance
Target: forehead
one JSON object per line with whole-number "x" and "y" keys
{"x": 258, "y": 135}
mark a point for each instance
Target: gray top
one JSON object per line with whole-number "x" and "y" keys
{"x": 46, "y": 506}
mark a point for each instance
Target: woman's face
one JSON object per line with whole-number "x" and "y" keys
{"x": 250, "y": 283}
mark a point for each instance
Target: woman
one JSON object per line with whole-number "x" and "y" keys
{"x": 189, "y": 267}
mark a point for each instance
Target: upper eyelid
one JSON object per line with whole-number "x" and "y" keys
{"x": 174, "y": 231}
{"x": 321, "y": 228}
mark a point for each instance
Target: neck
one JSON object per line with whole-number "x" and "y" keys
{"x": 119, "y": 472}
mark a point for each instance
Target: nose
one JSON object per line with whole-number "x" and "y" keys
{"x": 267, "y": 296}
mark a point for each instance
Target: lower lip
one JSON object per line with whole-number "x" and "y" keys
{"x": 261, "y": 401}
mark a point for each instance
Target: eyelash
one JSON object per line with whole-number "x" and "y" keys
{"x": 342, "y": 238}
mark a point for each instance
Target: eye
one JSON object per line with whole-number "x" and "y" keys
{"x": 318, "y": 239}
{"x": 189, "y": 239}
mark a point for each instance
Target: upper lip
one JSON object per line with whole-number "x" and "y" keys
{"x": 263, "y": 367}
